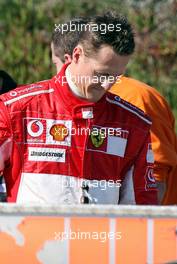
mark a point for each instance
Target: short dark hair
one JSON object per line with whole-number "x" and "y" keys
{"x": 65, "y": 42}
{"x": 120, "y": 38}
{"x": 121, "y": 41}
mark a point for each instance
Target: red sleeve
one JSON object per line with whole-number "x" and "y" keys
{"x": 5, "y": 137}
{"x": 144, "y": 183}
{"x": 139, "y": 185}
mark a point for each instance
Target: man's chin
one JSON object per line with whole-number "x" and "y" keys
{"x": 94, "y": 99}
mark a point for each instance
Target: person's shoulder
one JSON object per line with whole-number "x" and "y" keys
{"x": 142, "y": 95}
{"x": 23, "y": 93}
{"x": 151, "y": 96}
{"x": 142, "y": 88}
{"x": 128, "y": 109}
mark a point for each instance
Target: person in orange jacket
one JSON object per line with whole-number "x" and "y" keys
{"x": 164, "y": 140}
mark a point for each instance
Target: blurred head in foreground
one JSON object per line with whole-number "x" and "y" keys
{"x": 6, "y": 82}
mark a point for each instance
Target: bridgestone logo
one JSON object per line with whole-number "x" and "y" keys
{"x": 47, "y": 154}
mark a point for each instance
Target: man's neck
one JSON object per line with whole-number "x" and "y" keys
{"x": 71, "y": 84}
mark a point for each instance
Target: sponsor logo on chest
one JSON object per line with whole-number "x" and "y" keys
{"x": 46, "y": 154}
{"x": 47, "y": 131}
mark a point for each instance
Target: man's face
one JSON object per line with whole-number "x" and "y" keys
{"x": 95, "y": 75}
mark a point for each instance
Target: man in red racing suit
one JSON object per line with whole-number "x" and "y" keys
{"x": 57, "y": 148}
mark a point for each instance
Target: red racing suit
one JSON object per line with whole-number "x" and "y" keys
{"x": 57, "y": 148}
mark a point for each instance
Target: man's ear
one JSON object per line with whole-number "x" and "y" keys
{"x": 78, "y": 53}
{"x": 67, "y": 58}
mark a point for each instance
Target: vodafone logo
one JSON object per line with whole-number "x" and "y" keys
{"x": 35, "y": 128}
{"x": 117, "y": 98}
{"x": 13, "y": 93}
{"x": 150, "y": 175}
{"x": 150, "y": 180}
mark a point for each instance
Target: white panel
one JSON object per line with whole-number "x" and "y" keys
{"x": 127, "y": 194}
{"x": 61, "y": 189}
{"x": 116, "y": 146}
{"x": 112, "y": 247}
{"x": 150, "y": 241}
